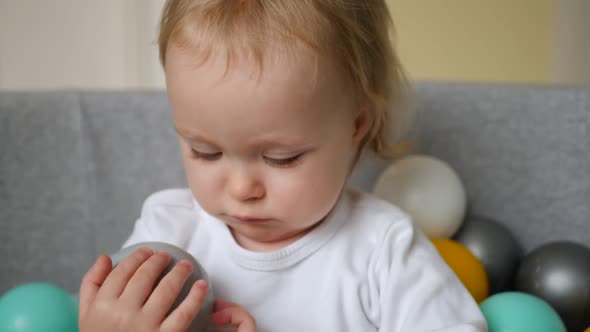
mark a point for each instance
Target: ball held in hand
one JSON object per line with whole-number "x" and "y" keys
{"x": 201, "y": 322}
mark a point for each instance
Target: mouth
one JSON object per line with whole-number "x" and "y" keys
{"x": 249, "y": 220}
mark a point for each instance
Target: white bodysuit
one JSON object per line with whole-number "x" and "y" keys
{"x": 366, "y": 267}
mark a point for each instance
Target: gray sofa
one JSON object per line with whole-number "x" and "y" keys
{"x": 75, "y": 167}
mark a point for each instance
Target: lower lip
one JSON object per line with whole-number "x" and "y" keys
{"x": 251, "y": 221}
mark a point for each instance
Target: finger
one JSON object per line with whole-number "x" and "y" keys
{"x": 142, "y": 282}
{"x": 162, "y": 298}
{"x": 119, "y": 277}
{"x": 220, "y": 305}
{"x": 181, "y": 318}
{"x": 228, "y": 328}
{"x": 93, "y": 280}
{"x": 237, "y": 316}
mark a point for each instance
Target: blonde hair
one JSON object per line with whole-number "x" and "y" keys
{"x": 355, "y": 33}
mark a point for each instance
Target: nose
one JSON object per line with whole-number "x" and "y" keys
{"x": 245, "y": 186}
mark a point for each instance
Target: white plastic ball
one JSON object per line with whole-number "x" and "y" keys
{"x": 429, "y": 190}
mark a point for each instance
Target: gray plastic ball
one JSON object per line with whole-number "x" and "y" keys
{"x": 495, "y": 246}
{"x": 201, "y": 322}
{"x": 559, "y": 273}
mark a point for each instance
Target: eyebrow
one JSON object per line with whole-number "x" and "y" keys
{"x": 191, "y": 136}
{"x": 260, "y": 142}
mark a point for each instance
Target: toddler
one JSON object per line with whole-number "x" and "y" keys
{"x": 273, "y": 102}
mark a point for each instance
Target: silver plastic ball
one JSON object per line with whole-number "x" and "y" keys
{"x": 559, "y": 273}
{"x": 201, "y": 322}
{"x": 496, "y": 248}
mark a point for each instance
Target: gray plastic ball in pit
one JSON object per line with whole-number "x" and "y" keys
{"x": 497, "y": 249}
{"x": 201, "y": 322}
{"x": 559, "y": 273}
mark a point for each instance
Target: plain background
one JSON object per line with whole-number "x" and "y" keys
{"x": 110, "y": 44}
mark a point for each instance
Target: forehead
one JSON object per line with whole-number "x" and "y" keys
{"x": 235, "y": 83}
{"x": 220, "y": 66}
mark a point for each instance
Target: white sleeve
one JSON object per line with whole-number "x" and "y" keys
{"x": 166, "y": 216}
{"x": 143, "y": 229}
{"x": 417, "y": 291}
{"x": 139, "y": 234}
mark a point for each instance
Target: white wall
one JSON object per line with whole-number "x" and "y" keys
{"x": 82, "y": 44}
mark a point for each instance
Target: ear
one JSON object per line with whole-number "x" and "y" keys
{"x": 362, "y": 123}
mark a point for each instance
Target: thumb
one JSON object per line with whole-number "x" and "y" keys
{"x": 92, "y": 282}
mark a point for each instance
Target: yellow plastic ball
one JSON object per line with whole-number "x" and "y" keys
{"x": 467, "y": 267}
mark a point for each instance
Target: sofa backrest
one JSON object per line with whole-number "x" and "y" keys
{"x": 75, "y": 167}
{"x": 523, "y": 153}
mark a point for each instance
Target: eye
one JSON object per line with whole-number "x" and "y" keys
{"x": 205, "y": 156}
{"x": 284, "y": 162}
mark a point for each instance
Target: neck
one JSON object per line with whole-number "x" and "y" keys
{"x": 272, "y": 245}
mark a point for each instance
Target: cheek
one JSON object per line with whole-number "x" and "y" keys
{"x": 310, "y": 192}
{"x": 199, "y": 178}
{"x": 202, "y": 184}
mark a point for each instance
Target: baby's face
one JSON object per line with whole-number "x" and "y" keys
{"x": 267, "y": 154}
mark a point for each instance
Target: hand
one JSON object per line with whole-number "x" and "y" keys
{"x": 228, "y": 313}
{"x": 121, "y": 299}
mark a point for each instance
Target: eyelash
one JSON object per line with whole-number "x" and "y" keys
{"x": 205, "y": 156}
{"x": 286, "y": 162}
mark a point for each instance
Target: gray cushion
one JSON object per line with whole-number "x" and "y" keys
{"x": 521, "y": 151}
{"x": 76, "y": 166}
{"x": 44, "y": 229}
{"x": 132, "y": 151}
